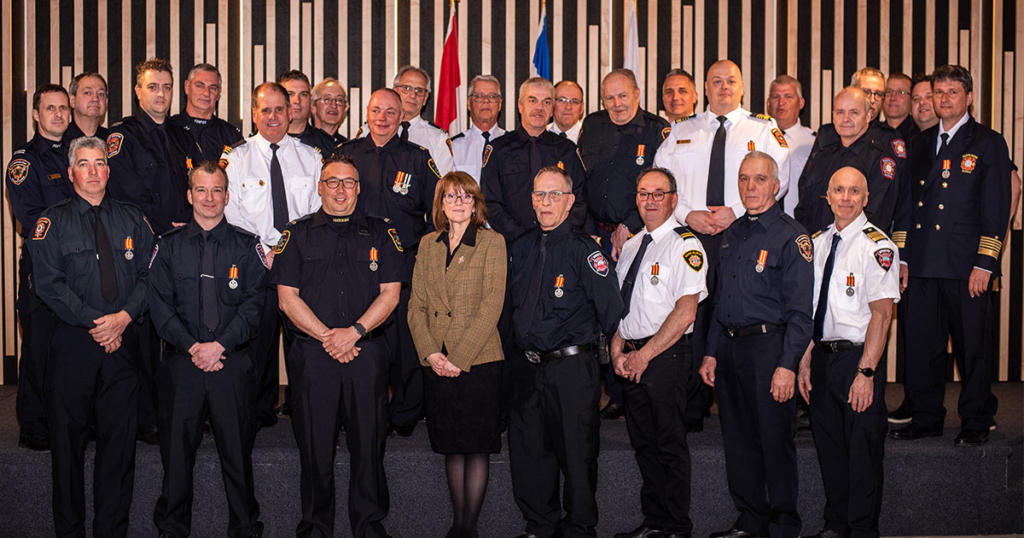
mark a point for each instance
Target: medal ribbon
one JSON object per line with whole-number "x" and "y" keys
{"x": 750, "y": 146}
{"x": 946, "y": 164}
{"x": 373, "y": 254}
{"x": 654, "y": 270}
{"x": 762, "y": 258}
{"x": 849, "y": 280}
{"x": 560, "y": 281}
{"x": 233, "y": 273}
{"x": 399, "y": 180}
{"x": 128, "y": 243}
{"x": 640, "y": 150}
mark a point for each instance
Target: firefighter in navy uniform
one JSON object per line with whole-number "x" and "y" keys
{"x": 206, "y": 290}
{"x": 88, "y": 92}
{"x": 761, "y": 327}
{"x": 37, "y": 178}
{"x": 564, "y": 294}
{"x": 511, "y": 163}
{"x": 90, "y": 257}
{"x": 338, "y": 273}
{"x": 950, "y": 240}
{"x": 300, "y": 99}
{"x": 211, "y": 134}
{"x": 397, "y": 182}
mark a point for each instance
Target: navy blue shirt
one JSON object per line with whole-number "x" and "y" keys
{"x": 589, "y": 301}
{"x": 37, "y": 178}
{"x": 338, "y": 264}
{"x": 779, "y": 293}
{"x": 74, "y": 131}
{"x": 213, "y": 136}
{"x": 175, "y": 290}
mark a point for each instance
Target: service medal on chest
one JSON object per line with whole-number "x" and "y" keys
{"x": 945, "y": 174}
{"x": 849, "y": 292}
{"x": 640, "y": 151}
{"x": 373, "y": 259}
{"x": 654, "y": 274}
{"x": 397, "y": 188}
{"x": 559, "y": 282}
{"x": 640, "y": 161}
{"x": 129, "y": 248}
{"x": 233, "y": 275}
{"x": 405, "y": 190}
{"x": 373, "y": 266}
{"x": 762, "y": 259}
{"x": 559, "y": 293}
{"x": 849, "y": 285}
{"x": 128, "y": 255}
{"x": 233, "y": 284}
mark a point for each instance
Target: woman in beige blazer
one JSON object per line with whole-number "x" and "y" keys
{"x": 458, "y": 287}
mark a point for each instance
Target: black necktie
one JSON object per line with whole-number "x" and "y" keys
{"x": 535, "y": 162}
{"x": 533, "y": 294}
{"x": 105, "y": 255}
{"x": 487, "y": 140}
{"x": 405, "y": 131}
{"x": 277, "y": 192}
{"x": 634, "y": 268}
{"x": 209, "y": 288}
{"x": 716, "y": 172}
{"x": 563, "y": 135}
{"x": 819, "y": 313}
{"x": 942, "y": 147}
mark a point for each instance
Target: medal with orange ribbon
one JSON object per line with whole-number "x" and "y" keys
{"x": 762, "y": 258}
{"x": 559, "y": 282}
{"x": 640, "y": 149}
{"x": 849, "y": 285}
{"x": 128, "y": 248}
{"x": 946, "y": 165}
{"x": 233, "y": 275}
{"x": 373, "y": 259}
{"x": 402, "y": 182}
{"x": 654, "y": 274}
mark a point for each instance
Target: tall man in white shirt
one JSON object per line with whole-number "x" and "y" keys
{"x": 785, "y": 101}
{"x": 413, "y": 85}
{"x": 484, "y": 108}
{"x": 856, "y": 282}
{"x": 272, "y": 179}
{"x": 679, "y": 95}
{"x": 569, "y": 106}
{"x": 702, "y": 151}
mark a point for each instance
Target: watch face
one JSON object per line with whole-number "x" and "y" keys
{"x": 868, "y": 372}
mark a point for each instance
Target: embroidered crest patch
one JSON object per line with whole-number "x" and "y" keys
{"x": 18, "y": 170}
{"x": 152, "y": 257}
{"x": 779, "y": 137}
{"x": 449, "y": 142}
{"x": 888, "y": 168}
{"x": 42, "y": 226}
{"x": 262, "y": 254}
{"x": 433, "y": 168}
{"x": 393, "y": 233}
{"x": 884, "y": 258}
{"x": 803, "y": 243}
{"x": 899, "y": 147}
{"x": 968, "y": 163}
{"x": 223, "y": 164}
{"x": 665, "y": 132}
{"x": 694, "y": 259}
{"x": 598, "y": 263}
{"x": 114, "y": 144}
{"x": 487, "y": 155}
{"x": 283, "y": 242}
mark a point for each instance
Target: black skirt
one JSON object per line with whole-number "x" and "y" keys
{"x": 464, "y": 412}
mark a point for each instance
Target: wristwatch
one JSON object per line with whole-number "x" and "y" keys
{"x": 362, "y": 330}
{"x": 866, "y": 372}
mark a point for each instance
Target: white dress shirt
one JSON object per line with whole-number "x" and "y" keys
{"x": 952, "y": 132}
{"x": 800, "y": 140}
{"x": 687, "y": 153}
{"x": 250, "y": 202}
{"x": 432, "y": 138}
{"x": 681, "y": 270}
{"x": 468, "y": 147}
{"x": 866, "y": 269}
{"x": 573, "y": 133}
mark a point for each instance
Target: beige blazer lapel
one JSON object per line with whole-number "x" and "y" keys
{"x": 463, "y": 257}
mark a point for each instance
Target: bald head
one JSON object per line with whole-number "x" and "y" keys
{"x": 724, "y": 87}
{"x": 847, "y": 195}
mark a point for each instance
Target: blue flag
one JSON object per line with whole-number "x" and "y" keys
{"x": 541, "y": 53}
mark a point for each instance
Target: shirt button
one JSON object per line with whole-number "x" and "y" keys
{"x": 941, "y": 207}
{"x": 937, "y": 227}
{"x": 918, "y": 226}
{"x": 944, "y": 184}
{"x": 920, "y": 204}
{"x": 922, "y": 182}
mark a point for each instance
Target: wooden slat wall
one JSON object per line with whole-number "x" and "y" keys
{"x": 363, "y": 42}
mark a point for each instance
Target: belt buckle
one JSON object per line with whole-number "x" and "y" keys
{"x": 832, "y": 346}
{"x": 731, "y": 332}
{"x": 533, "y": 357}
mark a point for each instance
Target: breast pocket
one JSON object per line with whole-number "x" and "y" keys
{"x": 315, "y": 263}
{"x": 255, "y": 194}
{"x": 186, "y": 289}
{"x": 78, "y": 258}
{"x": 513, "y": 172}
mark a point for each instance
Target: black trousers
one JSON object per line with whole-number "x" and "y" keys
{"x": 699, "y": 396}
{"x": 37, "y": 326}
{"x": 186, "y": 395}
{"x": 264, "y": 352}
{"x": 554, "y": 429}
{"x": 850, "y": 445}
{"x": 612, "y": 382}
{"x": 82, "y": 380}
{"x": 937, "y": 309}
{"x": 655, "y": 410}
{"x": 148, "y": 364}
{"x": 405, "y": 375}
{"x": 760, "y": 454}
{"x": 322, "y": 390}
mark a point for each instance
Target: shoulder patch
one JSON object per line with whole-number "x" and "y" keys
{"x": 598, "y": 263}
{"x": 223, "y": 163}
{"x": 899, "y": 147}
{"x": 393, "y": 233}
{"x": 665, "y": 132}
{"x": 487, "y": 155}
{"x": 764, "y": 117}
{"x": 42, "y": 226}
{"x": 817, "y": 233}
{"x": 359, "y": 133}
{"x": 803, "y": 243}
{"x": 262, "y": 254}
{"x": 433, "y": 168}
{"x": 884, "y": 258}
{"x": 694, "y": 259}
{"x": 114, "y": 144}
{"x": 888, "y": 168}
{"x": 449, "y": 142}
{"x": 874, "y": 234}
{"x": 779, "y": 137}
{"x": 18, "y": 170}
{"x": 152, "y": 257}
{"x": 283, "y": 242}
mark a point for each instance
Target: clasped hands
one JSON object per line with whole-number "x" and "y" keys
{"x": 713, "y": 221}
{"x": 630, "y": 365}
{"x": 440, "y": 365}
{"x": 340, "y": 344}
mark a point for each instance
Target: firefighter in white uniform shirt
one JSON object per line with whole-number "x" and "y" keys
{"x": 785, "y": 101}
{"x": 662, "y": 276}
{"x": 568, "y": 116}
{"x": 842, "y": 373}
{"x": 484, "y": 108}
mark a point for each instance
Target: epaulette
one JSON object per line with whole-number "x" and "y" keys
{"x": 423, "y": 148}
{"x": 874, "y": 234}
{"x": 19, "y": 152}
{"x": 235, "y": 145}
{"x": 817, "y": 233}
{"x": 117, "y": 124}
{"x": 764, "y": 117}
{"x": 170, "y": 232}
{"x": 243, "y": 232}
{"x": 690, "y": 117}
{"x": 684, "y": 232}
{"x": 458, "y": 136}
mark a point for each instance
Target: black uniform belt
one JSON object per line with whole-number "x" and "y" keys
{"x": 537, "y": 357}
{"x": 751, "y": 330}
{"x": 836, "y": 346}
{"x": 372, "y": 335}
{"x": 635, "y": 345}
{"x": 171, "y": 348}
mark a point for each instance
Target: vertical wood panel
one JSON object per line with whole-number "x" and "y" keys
{"x": 306, "y": 52}
{"x": 591, "y": 96}
{"x": 698, "y": 40}
{"x": 815, "y": 64}
{"x": 318, "y": 41}
{"x": 557, "y": 30}
{"x": 8, "y": 256}
{"x": 270, "y": 61}
{"x": 954, "y": 32}
{"x": 510, "y": 67}
{"x": 908, "y": 36}
{"x": 651, "y": 80}
{"x": 295, "y": 43}
{"x": 745, "y": 62}
{"x": 862, "y": 34}
{"x": 883, "y": 30}
{"x": 485, "y": 43}
{"x": 686, "y": 36}
{"x": 929, "y": 41}
{"x": 127, "y": 76}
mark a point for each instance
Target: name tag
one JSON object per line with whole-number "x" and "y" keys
{"x": 683, "y": 141}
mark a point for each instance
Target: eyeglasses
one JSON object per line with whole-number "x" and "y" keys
{"x": 901, "y": 93}
{"x": 657, "y": 195}
{"x": 451, "y": 198}
{"x": 485, "y": 98}
{"x": 405, "y": 88}
{"x": 875, "y": 94}
{"x": 555, "y": 196}
{"x": 566, "y": 101}
{"x": 338, "y": 101}
{"x": 333, "y": 183}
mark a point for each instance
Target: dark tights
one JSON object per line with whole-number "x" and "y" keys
{"x": 467, "y": 482}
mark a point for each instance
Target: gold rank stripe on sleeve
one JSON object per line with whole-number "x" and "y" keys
{"x": 816, "y": 234}
{"x": 900, "y": 238}
{"x": 874, "y": 234}
{"x": 990, "y": 246}
{"x": 687, "y": 235}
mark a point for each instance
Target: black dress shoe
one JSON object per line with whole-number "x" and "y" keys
{"x": 401, "y": 430}
{"x": 613, "y": 411}
{"x": 38, "y": 442}
{"x": 825, "y": 533}
{"x": 733, "y": 533}
{"x": 641, "y": 532}
{"x": 283, "y": 411}
{"x": 913, "y": 432}
{"x": 901, "y": 415}
{"x": 149, "y": 435}
{"x": 971, "y": 438}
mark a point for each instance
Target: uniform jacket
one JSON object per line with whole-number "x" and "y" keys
{"x": 213, "y": 136}
{"x": 37, "y": 178}
{"x": 458, "y": 307}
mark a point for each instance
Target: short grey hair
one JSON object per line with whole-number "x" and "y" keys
{"x": 86, "y": 142}
{"x": 622, "y": 72}
{"x": 786, "y": 79}
{"x": 555, "y": 169}
{"x": 406, "y": 68}
{"x": 323, "y": 84}
{"x": 539, "y": 82}
{"x": 205, "y": 67}
{"x": 865, "y": 72}
{"x": 760, "y": 155}
{"x": 483, "y": 78}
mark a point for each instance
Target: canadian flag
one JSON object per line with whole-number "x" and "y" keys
{"x": 450, "y": 108}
